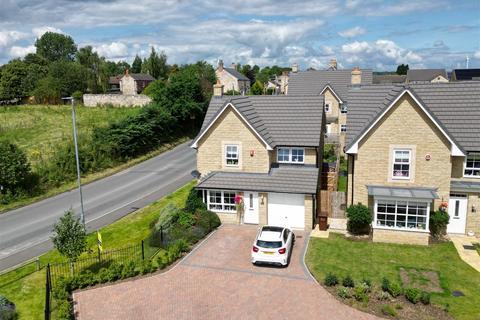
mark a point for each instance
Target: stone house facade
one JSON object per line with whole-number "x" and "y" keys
{"x": 231, "y": 79}
{"x": 134, "y": 83}
{"x": 250, "y": 148}
{"x": 411, "y": 153}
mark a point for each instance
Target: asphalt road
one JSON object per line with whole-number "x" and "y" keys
{"x": 25, "y": 232}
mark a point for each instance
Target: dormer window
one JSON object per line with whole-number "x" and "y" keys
{"x": 231, "y": 155}
{"x": 291, "y": 155}
{"x": 472, "y": 165}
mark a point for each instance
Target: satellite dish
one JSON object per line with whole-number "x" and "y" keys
{"x": 195, "y": 173}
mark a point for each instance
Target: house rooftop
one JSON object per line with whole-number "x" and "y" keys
{"x": 142, "y": 77}
{"x": 466, "y": 74}
{"x": 279, "y": 120}
{"x": 236, "y": 74}
{"x": 388, "y": 78}
{"x": 454, "y": 105}
{"x": 425, "y": 74}
{"x": 313, "y": 82}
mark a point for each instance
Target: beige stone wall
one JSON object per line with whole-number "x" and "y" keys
{"x": 405, "y": 237}
{"x": 263, "y": 208}
{"x": 128, "y": 85}
{"x": 118, "y": 100}
{"x": 230, "y": 129}
{"x": 334, "y": 104}
{"x": 310, "y": 156}
{"x": 404, "y": 125}
{"x": 439, "y": 79}
{"x": 308, "y": 212}
{"x": 473, "y": 218}
{"x": 230, "y": 82}
{"x": 228, "y": 218}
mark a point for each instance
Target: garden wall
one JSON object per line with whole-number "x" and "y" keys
{"x": 118, "y": 100}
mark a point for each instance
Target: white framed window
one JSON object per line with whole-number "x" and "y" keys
{"x": 472, "y": 165}
{"x": 343, "y": 108}
{"x": 231, "y": 155}
{"x": 290, "y": 155}
{"x": 400, "y": 214}
{"x": 328, "y": 106}
{"x": 221, "y": 201}
{"x": 401, "y": 163}
{"x": 343, "y": 128}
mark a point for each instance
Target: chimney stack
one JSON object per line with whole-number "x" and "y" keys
{"x": 333, "y": 64}
{"x": 295, "y": 68}
{"x": 220, "y": 65}
{"x": 218, "y": 89}
{"x": 234, "y": 66}
{"x": 356, "y": 76}
{"x": 126, "y": 72}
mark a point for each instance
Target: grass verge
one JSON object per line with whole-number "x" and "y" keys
{"x": 26, "y": 288}
{"x": 361, "y": 259}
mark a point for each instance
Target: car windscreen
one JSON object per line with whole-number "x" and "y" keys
{"x": 269, "y": 244}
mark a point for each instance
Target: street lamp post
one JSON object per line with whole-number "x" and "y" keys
{"x": 74, "y": 122}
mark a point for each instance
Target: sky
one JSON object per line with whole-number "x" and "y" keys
{"x": 378, "y": 34}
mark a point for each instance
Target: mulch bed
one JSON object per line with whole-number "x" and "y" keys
{"x": 425, "y": 280}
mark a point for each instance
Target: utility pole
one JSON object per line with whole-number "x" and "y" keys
{"x": 74, "y": 122}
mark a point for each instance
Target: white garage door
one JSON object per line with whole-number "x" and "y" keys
{"x": 285, "y": 209}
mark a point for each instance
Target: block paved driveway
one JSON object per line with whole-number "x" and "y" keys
{"x": 217, "y": 281}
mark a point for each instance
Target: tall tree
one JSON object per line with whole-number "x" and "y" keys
{"x": 12, "y": 81}
{"x": 137, "y": 64}
{"x": 156, "y": 65}
{"x": 55, "y": 46}
{"x": 90, "y": 60}
{"x": 402, "y": 69}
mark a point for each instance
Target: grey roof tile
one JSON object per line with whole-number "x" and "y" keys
{"x": 285, "y": 179}
{"x": 313, "y": 82}
{"x": 142, "y": 76}
{"x": 236, "y": 74}
{"x": 425, "y": 74}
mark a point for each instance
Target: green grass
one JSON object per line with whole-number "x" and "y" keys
{"x": 40, "y": 129}
{"x": 342, "y": 183}
{"x": 376, "y": 260}
{"x": 26, "y": 288}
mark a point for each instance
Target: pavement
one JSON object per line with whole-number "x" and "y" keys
{"x": 217, "y": 281}
{"x": 470, "y": 256}
{"x": 25, "y": 232}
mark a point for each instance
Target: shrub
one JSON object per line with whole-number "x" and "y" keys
{"x": 15, "y": 172}
{"x": 385, "y": 284}
{"x": 360, "y": 295}
{"x": 365, "y": 287}
{"x": 348, "y": 282}
{"x": 394, "y": 289}
{"x": 331, "y": 280}
{"x": 344, "y": 292}
{"x": 438, "y": 223}
{"x": 103, "y": 275}
{"x": 147, "y": 267}
{"x": 194, "y": 201}
{"x": 7, "y": 309}
{"x": 115, "y": 272}
{"x": 64, "y": 310}
{"x": 163, "y": 259}
{"x": 359, "y": 219}
{"x": 388, "y": 310}
{"x": 185, "y": 218}
{"x": 413, "y": 295}
{"x": 425, "y": 297}
{"x": 129, "y": 270}
{"x": 367, "y": 282}
{"x": 383, "y": 295}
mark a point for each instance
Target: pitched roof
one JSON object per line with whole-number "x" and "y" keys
{"x": 141, "y": 77}
{"x": 466, "y": 74}
{"x": 285, "y": 179}
{"x": 388, "y": 78}
{"x": 454, "y": 105}
{"x": 279, "y": 120}
{"x": 236, "y": 74}
{"x": 313, "y": 82}
{"x": 114, "y": 79}
{"x": 425, "y": 74}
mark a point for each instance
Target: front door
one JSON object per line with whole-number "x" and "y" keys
{"x": 457, "y": 210}
{"x": 250, "y": 202}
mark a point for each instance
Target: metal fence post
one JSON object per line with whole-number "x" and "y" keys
{"x": 161, "y": 235}
{"x": 47, "y": 292}
{"x": 143, "y": 251}
{"x": 37, "y": 264}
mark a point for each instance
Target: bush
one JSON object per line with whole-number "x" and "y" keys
{"x": 129, "y": 270}
{"x": 163, "y": 259}
{"x": 147, "y": 267}
{"x": 115, "y": 272}
{"x": 331, "y": 280}
{"x": 438, "y": 223}
{"x": 413, "y": 295}
{"x": 64, "y": 310}
{"x": 388, "y": 310}
{"x": 185, "y": 219}
{"x": 7, "y": 309}
{"x": 383, "y": 295}
{"x": 385, "y": 284}
{"x": 103, "y": 275}
{"x": 15, "y": 171}
{"x": 360, "y": 294}
{"x": 359, "y": 219}
{"x": 348, "y": 282}
{"x": 344, "y": 292}
{"x": 194, "y": 201}
{"x": 367, "y": 282}
{"x": 394, "y": 289}
{"x": 425, "y": 297}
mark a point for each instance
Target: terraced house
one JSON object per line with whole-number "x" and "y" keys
{"x": 333, "y": 84}
{"x": 411, "y": 149}
{"x": 266, "y": 151}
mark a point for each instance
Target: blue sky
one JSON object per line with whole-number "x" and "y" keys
{"x": 378, "y": 34}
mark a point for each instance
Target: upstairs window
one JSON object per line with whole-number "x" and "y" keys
{"x": 231, "y": 155}
{"x": 328, "y": 106}
{"x": 343, "y": 108}
{"x": 343, "y": 128}
{"x": 291, "y": 155}
{"x": 472, "y": 165}
{"x": 401, "y": 164}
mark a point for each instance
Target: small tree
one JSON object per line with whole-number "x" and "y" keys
{"x": 402, "y": 69}
{"x": 359, "y": 219}
{"x": 14, "y": 168}
{"x": 438, "y": 223}
{"x": 70, "y": 237}
{"x": 257, "y": 88}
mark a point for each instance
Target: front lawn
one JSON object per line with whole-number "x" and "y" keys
{"x": 26, "y": 288}
{"x": 361, "y": 259}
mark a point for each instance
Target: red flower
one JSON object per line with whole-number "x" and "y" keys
{"x": 238, "y": 199}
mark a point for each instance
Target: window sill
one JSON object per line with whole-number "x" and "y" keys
{"x": 471, "y": 177}
{"x": 290, "y": 162}
{"x": 401, "y": 178}
{"x": 401, "y": 229}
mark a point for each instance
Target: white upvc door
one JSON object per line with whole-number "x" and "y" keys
{"x": 457, "y": 210}
{"x": 250, "y": 205}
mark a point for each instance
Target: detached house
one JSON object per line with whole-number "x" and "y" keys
{"x": 134, "y": 83}
{"x": 411, "y": 149}
{"x": 231, "y": 79}
{"x": 333, "y": 84}
{"x": 266, "y": 150}
{"x": 426, "y": 75}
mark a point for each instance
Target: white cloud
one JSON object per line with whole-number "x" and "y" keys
{"x": 352, "y": 32}
{"x": 9, "y": 37}
{"x": 20, "y": 52}
{"x": 40, "y": 31}
{"x": 356, "y": 47}
{"x": 112, "y": 50}
{"x": 476, "y": 55}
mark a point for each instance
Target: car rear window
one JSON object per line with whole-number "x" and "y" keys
{"x": 269, "y": 244}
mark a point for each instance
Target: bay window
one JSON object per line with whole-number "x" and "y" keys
{"x": 472, "y": 165}
{"x": 410, "y": 215}
{"x": 291, "y": 155}
{"x": 221, "y": 201}
{"x": 401, "y": 164}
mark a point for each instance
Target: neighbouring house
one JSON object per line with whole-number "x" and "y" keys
{"x": 265, "y": 150}
{"x": 134, "y": 83}
{"x": 426, "y": 75}
{"x": 333, "y": 84}
{"x": 388, "y": 78}
{"x": 231, "y": 79}
{"x": 411, "y": 150}
{"x": 465, "y": 75}
{"x": 114, "y": 83}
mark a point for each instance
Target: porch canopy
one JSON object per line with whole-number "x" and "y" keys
{"x": 284, "y": 179}
{"x": 465, "y": 186}
{"x": 402, "y": 192}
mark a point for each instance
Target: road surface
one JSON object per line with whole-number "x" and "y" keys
{"x": 25, "y": 232}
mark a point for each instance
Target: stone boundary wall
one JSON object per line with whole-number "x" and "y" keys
{"x": 117, "y": 100}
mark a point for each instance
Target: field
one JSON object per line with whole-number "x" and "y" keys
{"x": 38, "y": 130}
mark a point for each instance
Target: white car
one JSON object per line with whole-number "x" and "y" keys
{"x": 273, "y": 245}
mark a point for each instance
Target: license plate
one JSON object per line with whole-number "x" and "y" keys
{"x": 267, "y": 252}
